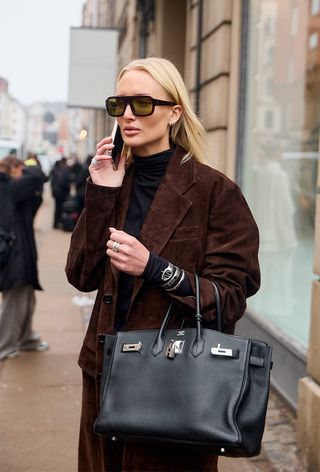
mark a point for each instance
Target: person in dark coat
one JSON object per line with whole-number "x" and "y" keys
{"x": 19, "y": 277}
{"x": 32, "y": 160}
{"x": 60, "y": 179}
{"x": 81, "y": 181}
{"x": 147, "y": 227}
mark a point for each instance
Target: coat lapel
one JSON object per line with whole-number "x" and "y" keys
{"x": 168, "y": 208}
{"x": 122, "y": 208}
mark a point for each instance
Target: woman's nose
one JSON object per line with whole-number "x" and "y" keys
{"x": 128, "y": 112}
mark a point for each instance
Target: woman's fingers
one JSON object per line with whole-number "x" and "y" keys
{"x": 105, "y": 141}
{"x": 120, "y": 236}
{"x": 126, "y": 252}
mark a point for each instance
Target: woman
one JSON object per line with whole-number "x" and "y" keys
{"x": 146, "y": 229}
{"x": 19, "y": 277}
{"x": 60, "y": 186}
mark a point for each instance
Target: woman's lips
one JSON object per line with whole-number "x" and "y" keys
{"x": 131, "y": 131}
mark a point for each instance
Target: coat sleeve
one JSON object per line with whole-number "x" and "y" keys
{"x": 230, "y": 257}
{"x": 87, "y": 252}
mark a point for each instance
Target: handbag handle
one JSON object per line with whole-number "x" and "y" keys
{"x": 218, "y": 308}
{"x": 198, "y": 344}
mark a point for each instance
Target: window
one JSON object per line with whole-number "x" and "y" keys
{"x": 270, "y": 55}
{"x": 269, "y": 87}
{"x": 315, "y": 7}
{"x": 268, "y": 119}
{"x": 294, "y": 21}
{"x": 313, "y": 41}
{"x": 280, "y": 163}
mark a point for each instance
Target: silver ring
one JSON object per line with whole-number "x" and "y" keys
{"x": 94, "y": 162}
{"x": 116, "y": 246}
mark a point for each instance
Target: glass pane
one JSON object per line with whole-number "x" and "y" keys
{"x": 281, "y": 154}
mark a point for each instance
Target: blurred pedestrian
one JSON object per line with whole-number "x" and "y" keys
{"x": 32, "y": 160}
{"x": 148, "y": 226}
{"x": 60, "y": 178}
{"x": 74, "y": 166}
{"x": 81, "y": 181}
{"x": 19, "y": 277}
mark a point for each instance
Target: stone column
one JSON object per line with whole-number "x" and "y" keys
{"x": 308, "y": 422}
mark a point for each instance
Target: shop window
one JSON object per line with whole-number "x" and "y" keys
{"x": 280, "y": 160}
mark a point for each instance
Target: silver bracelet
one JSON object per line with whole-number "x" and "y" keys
{"x": 178, "y": 284}
{"x": 173, "y": 279}
{"x": 167, "y": 273}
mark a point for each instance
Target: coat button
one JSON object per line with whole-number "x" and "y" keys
{"x": 107, "y": 298}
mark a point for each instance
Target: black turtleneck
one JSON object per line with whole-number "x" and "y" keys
{"x": 149, "y": 172}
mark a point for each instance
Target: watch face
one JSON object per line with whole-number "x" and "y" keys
{"x": 167, "y": 273}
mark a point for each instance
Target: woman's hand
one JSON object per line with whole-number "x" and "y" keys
{"x": 103, "y": 173}
{"x": 129, "y": 255}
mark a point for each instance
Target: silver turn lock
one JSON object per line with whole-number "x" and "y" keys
{"x": 174, "y": 347}
{"x": 224, "y": 352}
{"x": 134, "y": 347}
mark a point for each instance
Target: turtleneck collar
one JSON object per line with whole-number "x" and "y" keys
{"x": 154, "y": 164}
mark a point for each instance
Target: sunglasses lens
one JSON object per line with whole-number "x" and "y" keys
{"x": 115, "y": 106}
{"x": 142, "y": 106}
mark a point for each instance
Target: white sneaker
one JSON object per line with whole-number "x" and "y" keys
{"x": 37, "y": 346}
{"x": 12, "y": 355}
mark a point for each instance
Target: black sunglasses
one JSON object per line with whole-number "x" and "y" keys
{"x": 141, "y": 105}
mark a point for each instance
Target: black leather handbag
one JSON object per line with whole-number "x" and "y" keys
{"x": 195, "y": 387}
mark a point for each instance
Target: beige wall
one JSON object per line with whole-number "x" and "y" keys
{"x": 126, "y": 21}
{"x": 216, "y": 75}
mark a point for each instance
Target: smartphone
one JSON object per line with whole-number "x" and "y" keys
{"x": 118, "y": 145}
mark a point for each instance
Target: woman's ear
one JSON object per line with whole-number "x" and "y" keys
{"x": 176, "y": 112}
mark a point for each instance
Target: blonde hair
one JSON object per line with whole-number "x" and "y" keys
{"x": 188, "y": 131}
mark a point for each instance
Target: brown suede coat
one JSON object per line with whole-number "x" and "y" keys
{"x": 198, "y": 220}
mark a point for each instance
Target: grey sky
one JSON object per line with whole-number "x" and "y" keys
{"x": 34, "y": 47}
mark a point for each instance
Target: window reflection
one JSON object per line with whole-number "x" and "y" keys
{"x": 281, "y": 154}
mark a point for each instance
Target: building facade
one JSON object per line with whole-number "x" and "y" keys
{"x": 12, "y": 115}
{"x": 252, "y": 69}
{"x": 49, "y": 128}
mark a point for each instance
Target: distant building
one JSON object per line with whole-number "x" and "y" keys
{"x": 48, "y": 129}
{"x": 12, "y": 115}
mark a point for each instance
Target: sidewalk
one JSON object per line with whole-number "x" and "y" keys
{"x": 40, "y": 393}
